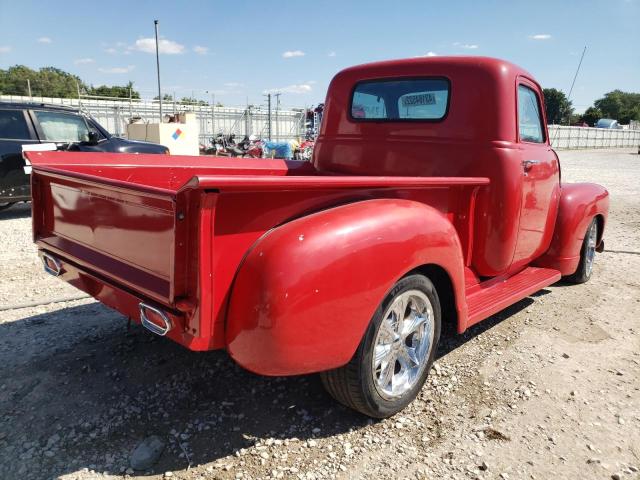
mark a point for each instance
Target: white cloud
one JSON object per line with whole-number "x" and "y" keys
{"x": 299, "y": 88}
{"x": 200, "y": 50}
{"x": 5, "y": 49}
{"x": 83, "y": 61}
{"x": 44, "y": 40}
{"x": 540, "y": 36}
{"x": 293, "y": 53}
{"x": 468, "y": 46}
{"x": 148, "y": 45}
{"x": 117, "y": 70}
{"x": 428, "y": 54}
{"x": 111, "y": 50}
{"x": 331, "y": 54}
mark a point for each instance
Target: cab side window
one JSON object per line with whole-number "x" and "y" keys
{"x": 529, "y": 117}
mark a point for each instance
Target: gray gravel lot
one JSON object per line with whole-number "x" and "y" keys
{"x": 549, "y": 388}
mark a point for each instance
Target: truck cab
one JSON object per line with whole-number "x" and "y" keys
{"x": 453, "y": 117}
{"x": 433, "y": 197}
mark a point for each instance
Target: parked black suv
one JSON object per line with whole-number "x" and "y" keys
{"x": 67, "y": 127}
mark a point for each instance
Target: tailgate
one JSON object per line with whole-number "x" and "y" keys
{"x": 129, "y": 219}
{"x": 124, "y": 234}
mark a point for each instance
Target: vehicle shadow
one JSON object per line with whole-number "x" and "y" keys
{"x": 450, "y": 340}
{"x": 21, "y": 210}
{"x": 79, "y": 390}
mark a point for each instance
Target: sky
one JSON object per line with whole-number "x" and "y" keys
{"x": 239, "y": 50}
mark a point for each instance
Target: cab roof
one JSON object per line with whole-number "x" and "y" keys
{"x": 482, "y": 96}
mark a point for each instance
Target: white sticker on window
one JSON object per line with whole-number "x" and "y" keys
{"x": 418, "y": 99}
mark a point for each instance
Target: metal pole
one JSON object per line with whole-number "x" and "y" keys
{"x": 277, "y": 95}
{"x": 213, "y": 114}
{"x": 29, "y": 89}
{"x": 246, "y": 120}
{"x": 155, "y": 23}
{"x": 269, "y": 115}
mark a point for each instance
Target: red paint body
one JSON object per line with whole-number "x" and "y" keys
{"x": 284, "y": 263}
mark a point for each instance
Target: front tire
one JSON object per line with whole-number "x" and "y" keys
{"x": 395, "y": 355}
{"x": 587, "y": 255}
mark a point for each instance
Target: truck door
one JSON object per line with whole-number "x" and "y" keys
{"x": 540, "y": 176}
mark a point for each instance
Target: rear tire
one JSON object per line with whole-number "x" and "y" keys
{"x": 587, "y": 255}
{"x": 395, "y": 354}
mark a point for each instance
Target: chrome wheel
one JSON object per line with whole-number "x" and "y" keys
{"x": 590, "y": 245}
{"x": 403, "y": 344}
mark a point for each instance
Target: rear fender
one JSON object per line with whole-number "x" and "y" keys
{"x": 579, "y": 204}
{"x": 307, "y": 290}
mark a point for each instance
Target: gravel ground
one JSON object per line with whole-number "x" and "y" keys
{"x": 549, "y": 388}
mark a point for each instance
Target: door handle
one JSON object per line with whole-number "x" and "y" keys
{"x": 527, "y": 164}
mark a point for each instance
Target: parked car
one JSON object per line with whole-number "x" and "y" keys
{"x": 608, "y": 123}
{"x": 433, "y": 197}
{"x": 69, "y": 128}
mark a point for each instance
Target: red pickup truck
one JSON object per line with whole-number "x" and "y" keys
{"x": 433, "y": 196}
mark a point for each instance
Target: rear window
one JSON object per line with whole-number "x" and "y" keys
{"x": 421, "y": 99}
{"x": 13, "y": 125}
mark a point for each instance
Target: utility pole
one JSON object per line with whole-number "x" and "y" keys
{"x": 155, "y": 23}
{"x": 213, "y": 114}
{"x": 269, "y": 115}
{"x": 29, "y": 89}
{"x": 277, "y": 95}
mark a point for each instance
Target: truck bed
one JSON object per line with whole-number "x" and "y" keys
{"x": 172, "y": 230}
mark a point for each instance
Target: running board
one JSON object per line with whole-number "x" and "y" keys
{"x": 487, "y": 298}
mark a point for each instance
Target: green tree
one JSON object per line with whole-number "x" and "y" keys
{"x": 165, "y": 98}
{"x": 193, "y": 101}
{"x": 591, "y": 116}
{"x": 114, "y": 91}
{"x": 619, "y": 105}
{"x": 557, "y": 106}
{"x": 46, "y": 82}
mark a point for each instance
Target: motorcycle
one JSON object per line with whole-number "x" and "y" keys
{"x": 226, "y": 146}
{"x": 304, "y": 151}
{"x": 255, "y": 148}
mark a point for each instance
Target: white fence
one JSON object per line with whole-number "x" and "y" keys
{"x": 563, "y": 137}
{"x": 115, "y": 114}
{"x": 285, "y": 124}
